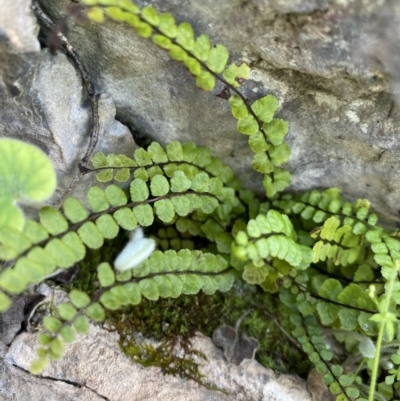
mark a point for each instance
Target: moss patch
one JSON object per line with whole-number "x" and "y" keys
{"x": 173, "y": 320}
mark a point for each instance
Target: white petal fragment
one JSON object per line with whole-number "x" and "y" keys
{"x": 136, "y": 251}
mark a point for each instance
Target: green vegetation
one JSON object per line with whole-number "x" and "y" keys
{"x": 319, "y": 266}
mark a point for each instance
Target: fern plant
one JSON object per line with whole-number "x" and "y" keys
{"x": 330, "y": 263}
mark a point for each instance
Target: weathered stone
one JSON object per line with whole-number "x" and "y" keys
{"x": 43, "y": 101}
{"x": 15, "y": 318}
{"x": 316, "y": 56}
{"x": 18, "y": 26}
{"x": 96, "y": 361}
{"x": 17, "y": 384}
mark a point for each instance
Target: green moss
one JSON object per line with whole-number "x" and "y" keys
{"x": 173, "y": 320}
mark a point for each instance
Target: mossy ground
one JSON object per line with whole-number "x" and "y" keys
{"x": 176, "y": 320}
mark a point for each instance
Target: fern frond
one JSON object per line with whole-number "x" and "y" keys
{"x": 317, "y": 206}
{"x": 266, "y": 136}
{"x": 60, "y": 238}
{"x": 201, "y": 59}
{"x": 269, "y": 249}
{"x": 164, "y": 274}
{"x": 344, "y": 385}
{"x": 188, "y": 158}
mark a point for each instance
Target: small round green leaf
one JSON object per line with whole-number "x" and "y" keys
{"x": 52, "y": 323}
{"x": 202, "y": 47}
{"x": 179, "y": 182}
{"x": 185, "y": 36}
{"x": 236, "y": 75}
{"x": 262, "y": 163}
{"x": 110, "y": 301}
{"x": 276, "y": 130}
{"x": 97, "y": 199}
{"x": 135, "y": 295}
{"x": 205, "y": 81}
{"x": 201, "y": 182}
{"x": 157, "y": 153}
{"x": 116, "y": 196}
{"x": 247, "y": 125}
{"x": 81, "y": 324}
{"x": 91, "y": 235}
{"x": 265, "y": 108}
{"x": 165, "y": 210}
{"x": 62, "y": 254}
{"x": 79, "y": 298}
{"x": 144, "y": 215}
{"x": 174, "y": 151}
{"x": 11, "y": 216}
{"x": 105, "y": 274}
{"x": 167, "y": 25}
{"x": 238, "y": 107}
{"x": 192, "y": 284}
{"x": 149, "y": 289}
{"x": 56, "y": 349}
{"x": 39, "y": 365}
{"x": 73, "y": 241}
{"x": 52, "y": 220}
{"x": 96, "y": 312}
{"x": 66, "y": 311}
{"x": 25, "y": 172}
{"x": 12, "y": 281}
{"x": 159, "y": 185}
{"x": 35, "y": 231}
{"x": 139, "y": 190}
{"x": 161, "y": 41}
{"x": 217, "y": 58}
{"x": 74, "y": 210}
{"x": 279, "y": 154}
{"x": 181, "y": 205}
{"x": 67, "y": 334}
{"x": 150, "y": 15}
{"x": 142, "y": 157}
{"x": 107, "y": 226}
{"x": 44, "y": 338}
{"x": 125, "y": 218}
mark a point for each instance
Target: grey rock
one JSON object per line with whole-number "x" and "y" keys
{"x": 296, "y": 6}
{"x": 16, "y": 318}
{"x": 96, "y": 363}
{"x": 328, "y": 62}
{"x": 18, "y": 385}
{"x": 43, "y": 102}
{"x": 18, "y": 26}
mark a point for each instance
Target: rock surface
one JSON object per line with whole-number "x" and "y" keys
{"x": 96, "y": 366}
{"x": 43, "y": 102}
{"x": 328, "y": 62}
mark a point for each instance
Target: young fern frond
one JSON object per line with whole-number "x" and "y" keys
{"x": 268, "y": 250}
{"x": 337, "y": 243}
{"x": 266, "y": 136}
